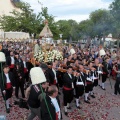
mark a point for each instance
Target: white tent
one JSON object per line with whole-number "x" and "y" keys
{"x": 14, "y": 36}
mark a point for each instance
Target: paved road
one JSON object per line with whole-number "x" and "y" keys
{"x": 104, "y": 107}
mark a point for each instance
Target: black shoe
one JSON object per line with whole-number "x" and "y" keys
{"x": 8, "y": 110}
{"x": 88, "y": 98}
{"x": 92, "y": 96}
{"x": 66, "y": 113}
{"x": 10, "y": 105}
{"x": 86, "y": 101}
{"x": 103, "y": 88}
{"x": 78, "y": 107}
{"x": 69, "y": 108}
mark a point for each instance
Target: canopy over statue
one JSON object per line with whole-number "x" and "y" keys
{"x": 46, "y": 32}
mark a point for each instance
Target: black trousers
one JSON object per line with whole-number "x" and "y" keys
{"x": 26, "y": 77}
{"x": 95, "y": 83}
{"x": 88, "y": 88}
{"x": 104, "y": 78}
{"x": 117, "y": 86}
{"x": 8, "y": 93}
{"x": 79, "y": 91}
{"x": 67, "y": 96}
{"x": 21, "y": 86}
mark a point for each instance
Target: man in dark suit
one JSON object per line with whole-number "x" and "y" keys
{"x": 52, "y": 112}
{"x": 68, "y": 87}
{"x": 53, "y": 75}
{"x": 105, "y": 74}
{"x": 10, "y": 61}
{"x": 7, "y": 84}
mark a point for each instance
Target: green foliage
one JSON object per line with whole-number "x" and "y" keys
{"x": 69, "y": 28}
{"x": 102, "y": 20}
{"x": 28, "y": 21}
{"x": 86, "y": 28}
{"x": 115, "y": 11}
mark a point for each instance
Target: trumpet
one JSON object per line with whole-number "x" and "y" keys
{"x": 86, "y": 71}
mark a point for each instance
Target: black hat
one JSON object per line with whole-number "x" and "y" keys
{"x": 44, "y": 66}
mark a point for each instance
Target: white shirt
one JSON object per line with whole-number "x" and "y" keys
{"x": 71, "y": 78}
{"x": 24, "y": 64}
{"x": 56, "y": 105}
{"x": 82, "y": 73}
{"x": 70, "y": 75}
{"x": 55, "y": 74}
{"x": 8, "y": 80}
{"x": 12, "y": 60}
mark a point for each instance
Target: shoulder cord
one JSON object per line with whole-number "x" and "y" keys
{"x": 45, "y": 102}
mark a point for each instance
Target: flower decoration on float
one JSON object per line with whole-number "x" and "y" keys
{"x": 48, "y": 54}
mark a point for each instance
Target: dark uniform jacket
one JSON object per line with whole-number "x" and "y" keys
{"x": 44, "y": 111}
{"x": 4, "y": 80}
{"x": 67, "y": 81}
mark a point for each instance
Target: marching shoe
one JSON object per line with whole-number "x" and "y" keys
{"x": 114, "y": 94}
{"x": 103, "y": 88}
{"x": 92, "y": 96}
{"x": 10, "y": 105}
{"x": 88, "y": 98}
{"x": 69, "y": 108}
{"x": 8, "y": 110}
{"x": 78, "y": 107}
{"x": 86, "y": 101}
{"x": 66, "y": 113}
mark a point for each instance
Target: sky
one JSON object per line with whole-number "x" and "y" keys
{"x": 70, "y": 9}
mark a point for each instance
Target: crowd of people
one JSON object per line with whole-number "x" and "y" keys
{"x": 78, "y": 75}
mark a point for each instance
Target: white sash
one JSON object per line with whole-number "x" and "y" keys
{"x": 80, "y": 83}
{"x": 89, "y": 79}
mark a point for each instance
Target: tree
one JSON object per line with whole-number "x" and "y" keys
{"x": 115, "y": 11}
{"x": 102, "y": 20}
{"x": 69, "y": 29}
{"x": 86, "y": 28}
{"x": 27, "y": 20}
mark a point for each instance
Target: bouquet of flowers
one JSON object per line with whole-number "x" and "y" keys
{"x": 39, "y": 56}
{"x": 59, "y": 56}
{"x": 48, "y": 56}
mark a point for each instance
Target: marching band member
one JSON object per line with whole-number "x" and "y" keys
{"x": 68, "y": 88}
{"x": 92, "y": 76}
{"x": 10, "y": 61}
{"x": 88, "y": 86}
{"x": 98, "y": 72}
{"x": 117, "y": 83}
{"x": 105, "y": 72}
{"x": 19, "y": 80}
{"x": 79, "y": 88}
{"x": 84, "y": 76}
{"x": 53, "y": 75}
{"x": 7, "y": 85}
